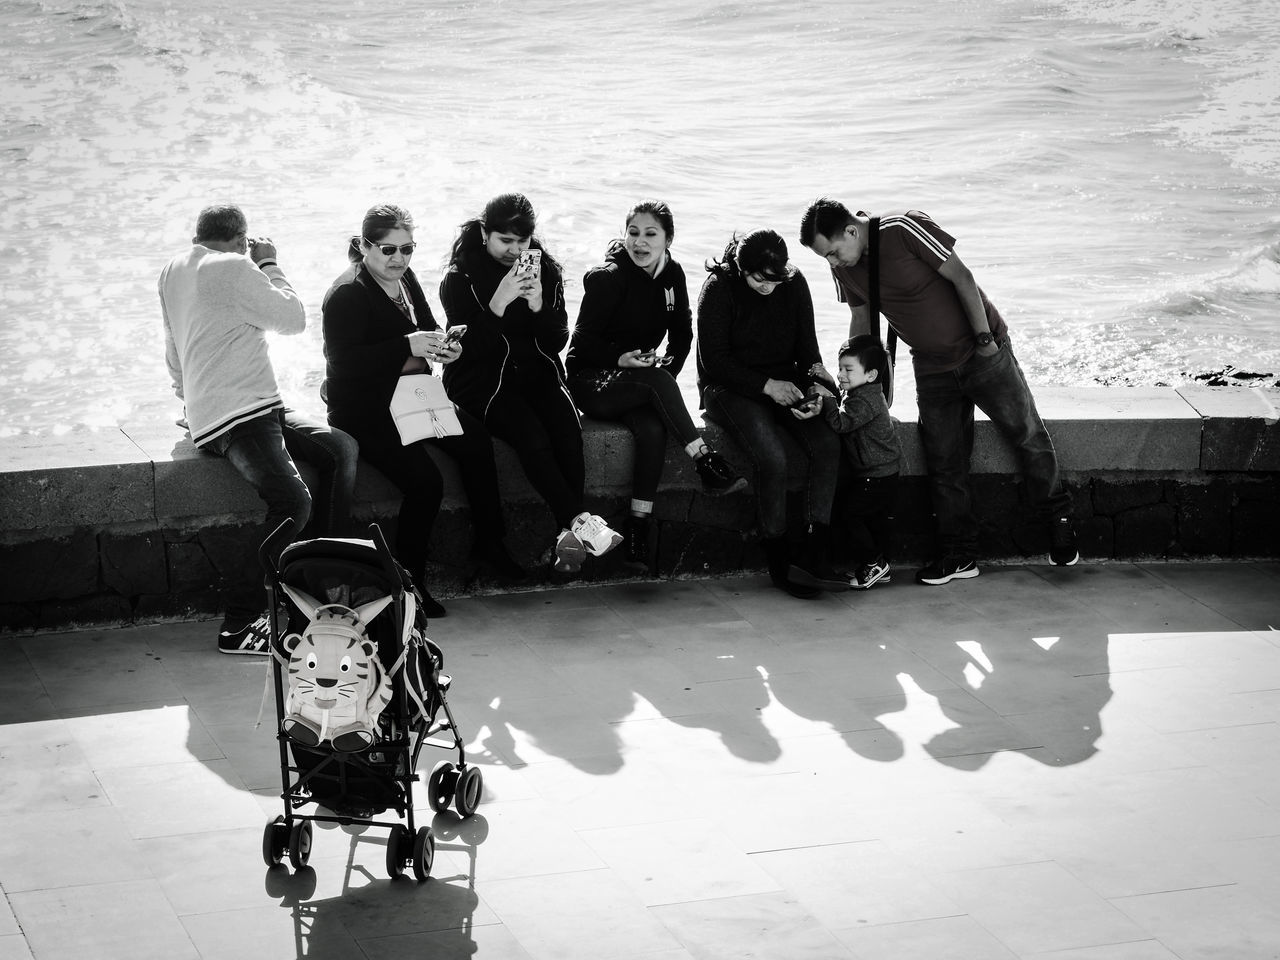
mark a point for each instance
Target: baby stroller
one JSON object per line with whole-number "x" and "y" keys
{"x": 358, "y": 685}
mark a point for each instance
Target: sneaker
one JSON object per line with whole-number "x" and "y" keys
{"x": 947, "y": 569}
{"x": 1062, "y": 543}
{"x": 594, "y": 534}
{"x": 718, "y": 478}
{"x": 868, "y": 575}
{"x": 251, "y": 640}
{"x": 569, "y": 552}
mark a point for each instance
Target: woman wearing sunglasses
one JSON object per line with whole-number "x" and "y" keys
{"x": 510, "y": 376}
{"x": 757, "y": 357}
{"x": 378, "y": 327}
{"x": 630, "y": 304}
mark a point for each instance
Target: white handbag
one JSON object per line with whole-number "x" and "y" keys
{"x": 422, "y": 410}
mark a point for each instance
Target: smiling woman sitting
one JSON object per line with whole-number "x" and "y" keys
{"x": 631, "y": 303}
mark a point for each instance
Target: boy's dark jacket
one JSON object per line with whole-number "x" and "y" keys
{"x": 623, "y": 308}
{"x": 861, "y": 417}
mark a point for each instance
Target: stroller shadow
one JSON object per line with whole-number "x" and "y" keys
{"x": 432, "y": 919}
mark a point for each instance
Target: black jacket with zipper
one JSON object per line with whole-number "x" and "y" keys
{"x": 623, "y": 308}
{"x": 514, "y": 352}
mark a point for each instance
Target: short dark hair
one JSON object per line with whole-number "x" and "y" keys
{"x": 868, "y": 351}
{"x": 220, "y": 222}
{"x": 824, "y": 216}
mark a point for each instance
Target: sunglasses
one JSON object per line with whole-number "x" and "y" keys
{"x": 387, "y": 249}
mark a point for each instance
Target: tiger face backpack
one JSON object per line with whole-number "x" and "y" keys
{"x": 337, "y": 687}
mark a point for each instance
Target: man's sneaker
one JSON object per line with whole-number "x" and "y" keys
{"x": 596, "y": 535}
{"x": 569, "y": 552}
{"x": 718, "y": 478}
{"x": 1062, "y": 543}
{"x": 947, "y": 569}
{"x": 868, "y": 575}
{"x": 252, "y": 640}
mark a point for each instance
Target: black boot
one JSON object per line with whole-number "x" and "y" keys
{"x": 429, "y": 604}
{"x": 778, "y": 555}
{"x": 811, "y": 567}
{"x": 494, "y": 560}
{"x": 636, "y": 537}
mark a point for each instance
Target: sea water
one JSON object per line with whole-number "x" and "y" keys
{"x": 1111, "y": 168}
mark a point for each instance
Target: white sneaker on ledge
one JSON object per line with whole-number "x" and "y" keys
{"x": 596, "y": 535}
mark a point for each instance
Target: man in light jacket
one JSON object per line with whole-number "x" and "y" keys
{"x": 218, "y": 304}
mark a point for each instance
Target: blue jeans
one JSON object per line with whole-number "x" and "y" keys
{"x": 260, "y": 450}
{"x": 760, "y": 427}
{"x": 647, "y": 400}
{"x": 996, "y": 386}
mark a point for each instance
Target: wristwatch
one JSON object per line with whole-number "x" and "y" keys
{"x": 983, "y": 338}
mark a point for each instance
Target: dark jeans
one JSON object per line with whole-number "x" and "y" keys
{"x": 997, "y": 387}
{"x": 542, "y": 426}
{"x": 262, "y": 450}
{"x": 648, "y": 401}
{"x": 421, "y": 484}
{"x": 759, "y": 426}
{"x": 862, "y": 518}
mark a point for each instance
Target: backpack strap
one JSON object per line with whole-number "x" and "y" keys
{"x": 873, "y": 306}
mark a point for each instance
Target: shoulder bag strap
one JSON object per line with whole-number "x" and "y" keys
{"x": 873, "y": 306}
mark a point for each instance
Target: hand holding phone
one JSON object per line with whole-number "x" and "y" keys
{"x": 455, "y": 334}
{"x": 529, "y": 265}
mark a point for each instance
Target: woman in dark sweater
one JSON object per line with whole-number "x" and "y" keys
{"x": 377, "y": 328}
{"x": 510, "y": 377}
{"x": 630, "y": 304}
{"x": 757, "y": 358}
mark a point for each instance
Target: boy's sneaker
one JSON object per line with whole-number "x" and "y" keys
{"x": 1062, "y": 543}
{"x": 636, "y": 530}
{"x": 718, "y": 478}
{"x": 947, "y": 569}
{"x": 252, "y": 640}
{"x": 594, "y": 534}
{"x": 569, "y": 552}
{"x": 868, "y": 575}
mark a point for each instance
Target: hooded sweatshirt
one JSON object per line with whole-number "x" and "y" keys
{"x": 624, "y": 308}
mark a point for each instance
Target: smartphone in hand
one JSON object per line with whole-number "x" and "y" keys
{"x": 455, "y": 334}
{"x": 529, "y": 265}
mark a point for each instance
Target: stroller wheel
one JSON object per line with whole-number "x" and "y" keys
{"x": 398, "y": 841}
{"x": 275, "y": 838}
{"x": 467, "y": 795}
{"x": 440, "y": 786}
{"x": 300, "y": 844}
{"x": 424, "y": 853}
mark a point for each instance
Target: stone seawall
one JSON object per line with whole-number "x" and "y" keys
{"x": 135, "y": 524}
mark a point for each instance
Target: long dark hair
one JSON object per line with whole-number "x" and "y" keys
{"x": 760, "y": 251}
{"x": 507, "y": 213}
{"x": 378, "y": 222}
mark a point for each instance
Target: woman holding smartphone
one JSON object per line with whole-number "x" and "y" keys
{"x": 378, "y": 327}
{"x": 757, "y": 357}
{"x": 507, "y": 290}
{"x": 631, "y": 303}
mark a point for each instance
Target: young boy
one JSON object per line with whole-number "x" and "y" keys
{"x": 869, "y": 473}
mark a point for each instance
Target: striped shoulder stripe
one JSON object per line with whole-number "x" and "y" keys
{"x": 920, "y": 233}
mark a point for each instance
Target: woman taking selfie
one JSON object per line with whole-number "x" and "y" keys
{"x": 757, "y": 357}
{"x": 378, "y": 328}
{"x": 630, "y": 304}
{"x": 507, "y": 290}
